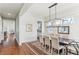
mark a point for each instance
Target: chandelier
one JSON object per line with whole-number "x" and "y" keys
{"x": 56, "y": 21}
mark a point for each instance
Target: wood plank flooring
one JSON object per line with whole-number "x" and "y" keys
{"x": 12, "y": 48}
{"x": 38, "y": 51}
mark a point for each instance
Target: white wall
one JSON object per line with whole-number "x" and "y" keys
{"x": 28, "y": 18}
{"x": 17, "y": 29}
{"x": 74, "y": 30}
{"x": 24, "y": 36}
{"x": 72, "y": 12}
{"x": 0, "y": 24}
{"x": 24, "y": 19}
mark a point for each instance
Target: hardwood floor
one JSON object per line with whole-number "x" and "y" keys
{"x": 12, "y": 48}
{"x": 38, "y": 51}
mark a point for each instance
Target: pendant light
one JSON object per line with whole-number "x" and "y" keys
{"x": 56, "y": 20}
{"x": 49, "y": 23}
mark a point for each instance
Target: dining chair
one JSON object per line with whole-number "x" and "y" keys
{"x": 47, "y": 43}
{"x": 42, "y": 41}
{"x": 56, "y": 48}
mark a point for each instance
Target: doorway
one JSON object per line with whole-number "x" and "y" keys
{"x": 39, "y": 29}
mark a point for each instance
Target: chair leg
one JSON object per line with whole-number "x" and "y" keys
{"x": 46, "y": 47}
{"x": 52, "y": 50}
{"x": 58, "y": 52}
{"x": 41, "y": 45}
{"x": 55, "y": 51}
{"x": 49, "y": 49}
{"x": 63, "y": 51}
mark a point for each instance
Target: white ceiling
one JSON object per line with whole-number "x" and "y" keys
{"x": 25, "y": 7}
{"x": 37, "y": 9}
{"x": 41, "y": 9}
{"x": 11, "y": 8}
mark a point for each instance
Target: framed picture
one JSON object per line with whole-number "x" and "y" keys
{"x": 29, "y": 28}
{"x": 63, "y": 29}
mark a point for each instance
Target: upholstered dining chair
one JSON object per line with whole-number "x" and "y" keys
{"x": 47, "y": 43}
{"x": 42, "y": 41}
{"x": 56, "y": 48}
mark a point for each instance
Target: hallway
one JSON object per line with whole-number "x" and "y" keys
{"x": 14, "y": 49}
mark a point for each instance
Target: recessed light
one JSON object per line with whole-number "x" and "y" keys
{"x": 9, "y": 13}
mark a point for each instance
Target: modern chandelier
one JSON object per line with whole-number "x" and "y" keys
{"x": 54, "y": 20}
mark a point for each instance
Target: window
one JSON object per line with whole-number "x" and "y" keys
{"x": 9, "y": 25}
{"x": 67, "y": 21}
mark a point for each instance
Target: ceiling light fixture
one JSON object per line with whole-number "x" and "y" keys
{"x": 57, "y": 20}
{"x": 9, "y": 14}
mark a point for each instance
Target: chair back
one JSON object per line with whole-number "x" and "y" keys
{"x": 47, "y": 40}
{"x": 55, "y": 42}
{"x": 41, "y": 39}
